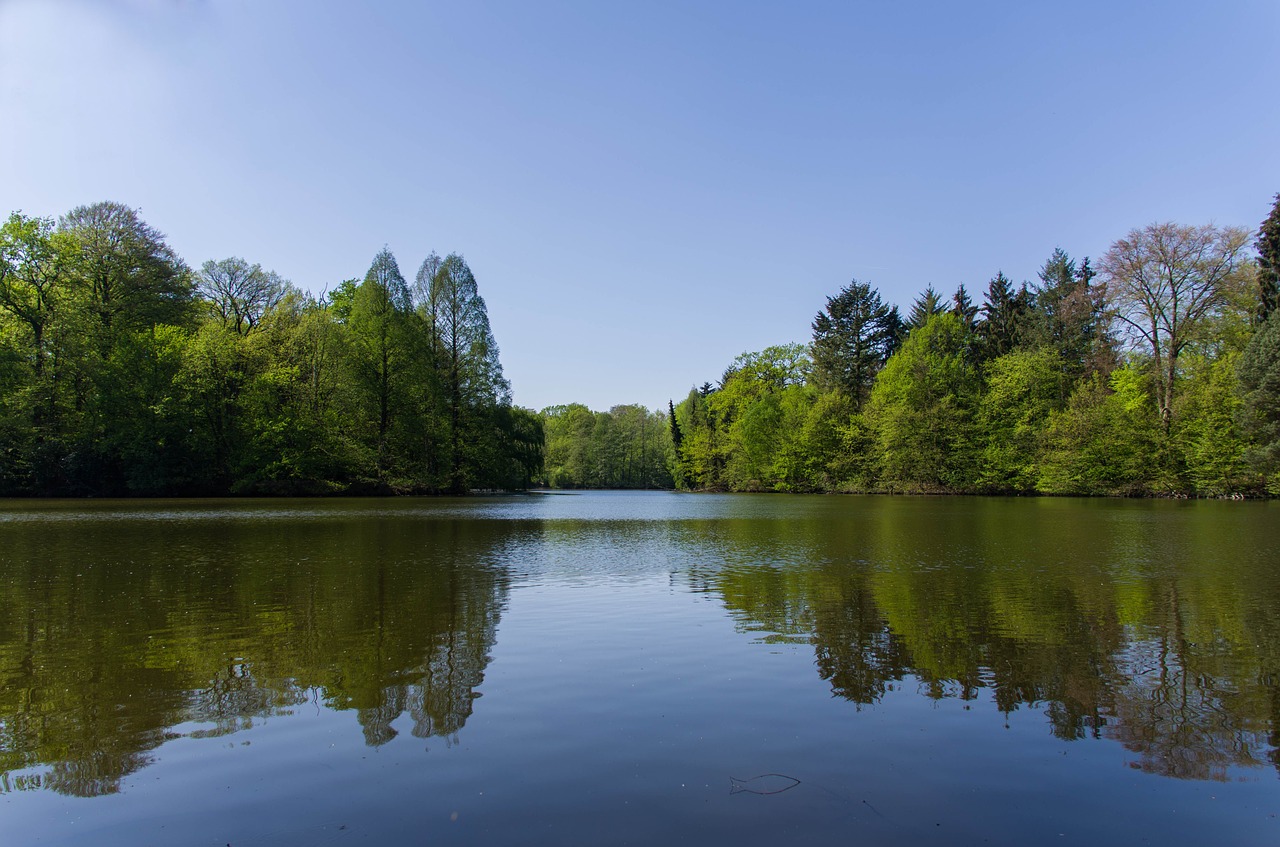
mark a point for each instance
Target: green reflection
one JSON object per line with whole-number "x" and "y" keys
{"x": 1153, "y": 624}
{"x": 119, "y": 633}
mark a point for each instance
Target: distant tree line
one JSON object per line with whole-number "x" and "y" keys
{"x": 1157, "y": 372}
{"x": 125, "y": 371}
{"x": 625, "y": 447}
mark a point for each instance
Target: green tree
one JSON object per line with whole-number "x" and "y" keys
{"x": 1023, "y": 388}
{"x": 1268, "y": 244}
{"x": 963, "y": 307}
{"x": 922, "y": 408}
{"x": 1002, "y": 326}
{"x": 34, "y": 266}
{"x": 381, "y": 342}
{"x": 924, "y": 307}
{"x": 1068, "y": 315}
{"x": 1205, "y": 431}
{"x": 239, "y": 293}
{"x": 1259, "y": 411}
{"x": 470, "y": 373}
{"x": 131, "y": 277}
{"x": 1106, "y": 440}
{"x": 852, "y": 339}
{"x": 1166, "y": 282}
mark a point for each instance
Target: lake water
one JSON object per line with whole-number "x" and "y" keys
{"x": 640, "y": 668}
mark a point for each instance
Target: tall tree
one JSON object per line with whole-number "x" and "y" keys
{"x": 381, "y": 345}
{"x": 470, "y": 371}
{"x": 133, "y": 279}
{"x": 1268, "y": 244}
{"x": 33, "y": 268}
{"x": 963, "y": 307}
{"x": 922, "y": 409}
{"x": 1068, "y": 312}
{"x": 928, "y": 304}
{"x": 852, "y": 339}
{"x": 1259, "y": 413}
{"x": 239, "y": 293}
{"x": 1004, "y": 317}
{"x": 1165, "y": 281}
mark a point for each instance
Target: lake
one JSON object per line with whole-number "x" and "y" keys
{"x": 639, "y": 668}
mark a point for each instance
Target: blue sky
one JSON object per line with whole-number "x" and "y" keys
{"x": 644, "y": 191}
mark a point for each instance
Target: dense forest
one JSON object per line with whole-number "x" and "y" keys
{"x": 125, "y": 371}
{"x": 1157, "y": 372}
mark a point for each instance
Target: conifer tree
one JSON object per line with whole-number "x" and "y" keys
{"x": 852, "y": 339}
{"x": 470, "y": 372}
{"x": 964, "y": 309}
{"x": 1268, "y": 244}
{"x": 1003, "y": 317}
{"x": 925, "y": 306}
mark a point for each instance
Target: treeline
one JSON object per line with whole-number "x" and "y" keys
{"x": 1155, "y": 373}
{"x": 625, "y": 447}
{"x": 124, "y": 371}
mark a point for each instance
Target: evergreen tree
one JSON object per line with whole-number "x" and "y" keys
{"x": 1268, "y": 244}
{"x": 1004, "y": 317}
{"x": 676, "y": 438}
{"x": 964, "y": 309}
{"x": 1259, "y": 413}
{"x": 852, "y": 339}
{"x": 925, "y": 306}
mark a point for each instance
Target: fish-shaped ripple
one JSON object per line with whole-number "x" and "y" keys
{"x": 765, "y": 783}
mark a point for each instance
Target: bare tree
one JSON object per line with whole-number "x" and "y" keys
{"x": 1164, "y": 281}
{"x": 239, "y": 292}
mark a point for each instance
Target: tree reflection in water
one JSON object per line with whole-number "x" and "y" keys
{"x": 1106, "y": 631}
{"x": 121, "y": 636}
{"x": 1161, "y": 634}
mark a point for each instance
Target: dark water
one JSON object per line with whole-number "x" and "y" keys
{"x": 640, "y": 668}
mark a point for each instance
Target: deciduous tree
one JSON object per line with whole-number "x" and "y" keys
{"x": 1165, "y": 281}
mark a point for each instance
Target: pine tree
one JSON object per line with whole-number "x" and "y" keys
{"x": 1268, "y": 244}
{"x": 852, "y": 339}
{"x": 925, "y": 306}
{"x": 963, "y": 307}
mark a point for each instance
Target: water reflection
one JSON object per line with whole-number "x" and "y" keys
{"x": 1160, "y": 633}
{"x": 1151, "y": 625}
{"x": 116, "y": 634}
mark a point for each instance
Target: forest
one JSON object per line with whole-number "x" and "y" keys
{"x": 1155, "y": 372}
{"x": 123, "y": 371}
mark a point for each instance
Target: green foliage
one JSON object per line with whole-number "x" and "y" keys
{"x": 1268, "y": 245}
{"x": 121, "y": 372}
{"x": 1259, "y": 411}
{"x": 1024, "y": 388}
{"x": 928, "y": 304}
{"x": 922, "y": 410}
{"x": 1003, "y": 325}
{"x": 625, "y": 447}
{"x": 852, "y": 339}
{"x": 1204, "y": 433}
{"x": 1105, "y": 440}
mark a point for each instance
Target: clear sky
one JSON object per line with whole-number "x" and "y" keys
{"x": 644, "y": 190}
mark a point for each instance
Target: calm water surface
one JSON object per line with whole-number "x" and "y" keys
{"x": 613, "y": 668}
